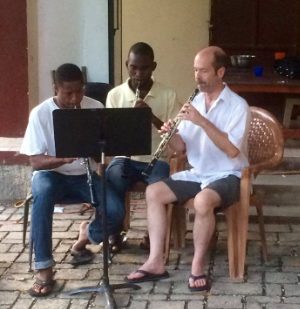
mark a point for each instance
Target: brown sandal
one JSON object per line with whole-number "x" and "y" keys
{"x": 42, "y": 285}
{"x": 115, "y": 243}
{"x": 81, "y": 257}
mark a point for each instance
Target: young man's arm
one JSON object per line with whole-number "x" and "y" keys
{"x": 44, "y": 162}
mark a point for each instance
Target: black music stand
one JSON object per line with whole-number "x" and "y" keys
{"x": 99, "y": 132}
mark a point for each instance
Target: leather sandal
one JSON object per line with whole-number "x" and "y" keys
{"x": 81, "y": 257}
{"x": 42, "y": 285}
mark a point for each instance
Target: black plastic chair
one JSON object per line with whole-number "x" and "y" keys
{"x": 97, "y": 91}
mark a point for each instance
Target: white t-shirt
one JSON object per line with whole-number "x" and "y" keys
{"x": 39, "y": 135}
{"x": 230, "y": 114}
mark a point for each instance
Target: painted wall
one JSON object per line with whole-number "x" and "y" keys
{"x": 176, "y": 30}
{"x": 73, "y": 31}
{"x": 13, "y": 64}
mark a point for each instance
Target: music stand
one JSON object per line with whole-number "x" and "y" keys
{"x": 94, "y": 132}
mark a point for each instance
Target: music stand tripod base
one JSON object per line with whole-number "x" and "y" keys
{"x": 104, "y": 286}
{"x": 107, "y": 290}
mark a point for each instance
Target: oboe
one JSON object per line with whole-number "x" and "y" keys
{"x": 165, "y": 139}
{"x": 127, "y": 159}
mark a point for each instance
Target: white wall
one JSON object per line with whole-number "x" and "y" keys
{"x": 59, "y": 31}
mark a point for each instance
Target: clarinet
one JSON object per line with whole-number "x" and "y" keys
{"x": 165, "y": 139}
{"x": 86, "y": 162}
{"x": 125, "y": 173}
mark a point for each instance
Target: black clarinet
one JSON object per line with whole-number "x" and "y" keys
{"x": 86, "y": 162}
{"x": 165, "y": 139}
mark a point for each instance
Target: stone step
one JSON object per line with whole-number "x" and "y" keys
{"x": 272, "y": 214}
{"x": 278, "y": 190}
{"x": 278, "y": 195}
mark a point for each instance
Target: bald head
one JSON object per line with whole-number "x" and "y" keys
{"x": 215, "y": 55}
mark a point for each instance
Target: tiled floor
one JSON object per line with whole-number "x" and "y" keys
{"x": 274, "y": 285}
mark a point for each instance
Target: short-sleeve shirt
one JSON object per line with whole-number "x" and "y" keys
{"x": 161, "y": 99}
{"x": 230, "y": 114}
{"x": 39, "y": 135}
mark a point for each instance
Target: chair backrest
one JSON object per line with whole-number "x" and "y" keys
{"x": 265, "y": 139}
{"x": 97, "y": 91}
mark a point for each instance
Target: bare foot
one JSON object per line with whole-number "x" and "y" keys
{"x": 151, "y": 267}
{"x": 82, "y": 239}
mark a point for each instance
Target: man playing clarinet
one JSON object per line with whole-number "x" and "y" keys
{"x": 140, "y": 90}
{"x": 213, "y": 131}
{"x": 56, "y": 178}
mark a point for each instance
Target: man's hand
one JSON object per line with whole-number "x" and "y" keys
{"x": 176, "y": 143}
{"x": 45, "y": 162}
{"x": 141, "y": 103}
{"x": 166, "y": 127}
{"x": 189, "y": 112}
{"x": 68, "y": 160}
{"x": 154, "y": 120}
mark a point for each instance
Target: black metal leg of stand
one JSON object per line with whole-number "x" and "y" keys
{"x": 25, "y": 219}
{"x": 105, "y": 287}
{"x": 30, "y": 255}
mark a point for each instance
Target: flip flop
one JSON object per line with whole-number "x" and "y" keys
{"x": 42, "y": 284}
{"x": 198, "y": 288}
{"x": 148, "y": 277}
{"x": 81, "y": 257}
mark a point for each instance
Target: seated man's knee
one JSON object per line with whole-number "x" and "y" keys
{"x": 42, "y": 183}
{"x": 205, "y": 203}
{"x": 158, "y": 192}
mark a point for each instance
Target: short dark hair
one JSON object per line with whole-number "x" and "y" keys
{"x": 67, "y": 72}
{"x": 142, "y": 48}
{"x": 220, "y": 60}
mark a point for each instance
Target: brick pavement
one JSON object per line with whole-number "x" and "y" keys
{"x": 275, "y": 285}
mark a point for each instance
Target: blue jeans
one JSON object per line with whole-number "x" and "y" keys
{"x": 48, "y": 189}
{"x": 120, "y": 184}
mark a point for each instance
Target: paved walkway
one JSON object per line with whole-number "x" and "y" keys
{"x": 275, "y": 285}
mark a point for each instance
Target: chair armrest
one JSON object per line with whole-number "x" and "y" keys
{"x": 177, "y": 163}
{"x": 257, "y": 168}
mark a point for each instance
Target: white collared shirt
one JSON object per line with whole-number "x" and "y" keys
{"x": 230, "y": 114}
